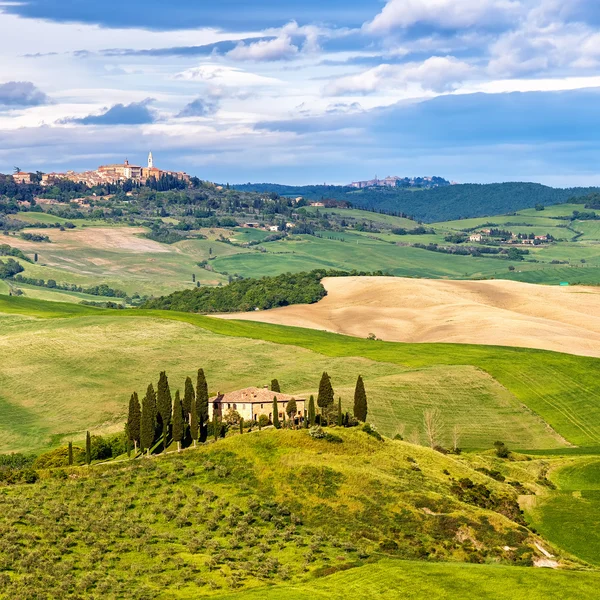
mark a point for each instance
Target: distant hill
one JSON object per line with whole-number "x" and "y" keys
{"x": 438, "y": 204}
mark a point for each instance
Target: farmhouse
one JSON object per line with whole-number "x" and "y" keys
{"x": 476, "y": 237}
{"x": 22, "y": 177}
{"x": 253, "y": 402}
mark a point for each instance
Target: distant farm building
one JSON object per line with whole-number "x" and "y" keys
{"x": 21, "y": 177}
{"x": 476, "y": 237}
{"x": 253, "y": 402}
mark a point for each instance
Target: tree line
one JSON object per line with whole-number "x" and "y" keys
{"x": 160, "y": 418}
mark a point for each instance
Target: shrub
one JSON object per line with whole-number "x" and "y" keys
{"x": 316, "y": 432}
{"x": 372, "y": 432}
{"x": 502, "y": 450}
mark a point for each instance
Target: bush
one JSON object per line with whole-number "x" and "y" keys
{"x": 59, "y": 458}
{"x": 263, "y": 421}
{"x": 372, "y": 432}
{"x": 502, "y": 450}
{"x": 316, "y": 432}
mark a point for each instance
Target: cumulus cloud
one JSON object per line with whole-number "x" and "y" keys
{"x": 446, "y": 14}
{"x": 200, "y": 107}
{"x": 136, "y": 113}
{"x": 280, "y": 48}
{"x": 17, "y": 94}
{"x": 437, "y": 74}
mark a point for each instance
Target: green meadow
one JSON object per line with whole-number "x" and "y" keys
{"x": 529, "y": 398}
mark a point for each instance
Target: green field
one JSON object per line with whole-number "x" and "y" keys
{"x": 99, "y": 357}
{"x": 570, "y": 516}
{"x": 392, "y": 579}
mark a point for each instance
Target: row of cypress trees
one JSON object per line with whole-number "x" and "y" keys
{"x": 159, "y": 417}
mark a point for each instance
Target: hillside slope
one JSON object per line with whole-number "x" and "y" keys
{"x": 504, "y": 313}
{"x": 265, "y": 507}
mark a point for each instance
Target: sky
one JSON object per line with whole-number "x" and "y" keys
{"x": 327, "y": 91}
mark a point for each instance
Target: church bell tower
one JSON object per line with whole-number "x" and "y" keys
{"x": 150, "y": 161}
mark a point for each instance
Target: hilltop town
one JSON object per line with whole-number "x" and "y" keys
{"x": 111, "y": 174}
{"x": 404, "y": 182}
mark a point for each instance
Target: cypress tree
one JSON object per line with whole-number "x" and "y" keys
{"x": 305, "y": 423}
{"x": 164, "y": 406}
{"x": 312, "y": 416}
{"x": 70, "y": 453}
{"x": 242, "y": 425}
{"x": 216, "y": 428}
{"x": 178, "y": 422}
{"x": 188, "y": 397}
{"x": 148, "y": 422}
{"x": 88, "y": 448}
{"x": 202, "y": 403}
{"x": 194, "y": 431}
{"x": 276, "y": 423}
{"x": 360, "y": 400}
{"x": 340, "y": 416}
{"x": 134, "y": 420}
{"x": 325, "y": 399}
{"x": 275, "y": 386}
{"x": 291, "y": 409}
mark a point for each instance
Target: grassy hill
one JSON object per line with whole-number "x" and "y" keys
{"x": 271, "y": 508}
{"x": 528, "y": 398}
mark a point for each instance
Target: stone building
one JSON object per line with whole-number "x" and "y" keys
{"x": 253, "y": 402}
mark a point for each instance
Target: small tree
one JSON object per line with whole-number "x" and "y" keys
{"x": 178, "y": 421}
{"x": 433, "y": 423}
{"x": 263, "y": 421}
{"x": 312, "y": 415}
{"x": 232, "y": 417}
{"x": 275, "y": 419}
{"x": 188, "y": 398}
{"x": 340, "y": 415}
{"x": 148, "y": 423}
{"x": 502, "y": 450}
{"x": 242, "y": 425}
{"x": 134, "y": 420}
{"x": 70, "y": 454}
{"x": 360, "y": 401}
{"x": 202, "y": 403}
{"x": 88, "y": 448}
{"x": 291, "y": 409}
{"x": 216, "y": 427}
{"x": 275, "y": 386}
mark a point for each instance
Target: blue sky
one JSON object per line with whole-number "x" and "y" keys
{"x": 305, "y": 92}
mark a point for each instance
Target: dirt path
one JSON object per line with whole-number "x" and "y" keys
{"x": 505, "y": 313}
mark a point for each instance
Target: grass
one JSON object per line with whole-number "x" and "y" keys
{"x": 264, "y": 508}
{"x": 61, "y": 377}
{"x": 561, "y": 389}
{"x": 391, "y": 579}
{"x": 570, "y": 516}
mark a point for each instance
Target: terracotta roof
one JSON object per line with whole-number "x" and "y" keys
{"x": 252, "y": 395}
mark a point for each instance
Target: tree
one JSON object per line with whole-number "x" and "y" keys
{"x": 312, "y": 416}
{"x": 164, "y": 406}
{"x": 188, "y": 398}
{"x": 178, "y": 421}
{"x": 70, "y": 453}
{"x": 340, "y": 417}
{"x": 242, "y": 425}
{"x": 325, "y": 399}
{"x": 275, "y": 418}
{"x": 275, "y": 386}
{"x": 134, "y": 420}
{"x": 216, "y": 427}
{"x": 88, "y": 448}
{"x": 291, "y": 409}
{"x": 202, "y": 403}
{"x": 194, "y": 428}
{"x": 360, "y": 401}
{"x": 148, "y": 422}
{"x": 433, "y": 423}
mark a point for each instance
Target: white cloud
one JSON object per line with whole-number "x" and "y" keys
{"x": 443, "y": 13}
{"x": 222, "y": 75}
{"x": 280, "y": 48}
{"x": 437, "y": 74}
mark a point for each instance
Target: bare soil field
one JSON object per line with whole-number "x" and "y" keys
{"x": 503, "y": 313}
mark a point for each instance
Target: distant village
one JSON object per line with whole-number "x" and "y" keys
{"x": 111, "y": 174}
{"x": 407, "y": 182}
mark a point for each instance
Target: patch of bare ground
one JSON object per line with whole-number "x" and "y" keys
{"x": 502, "y": 313}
